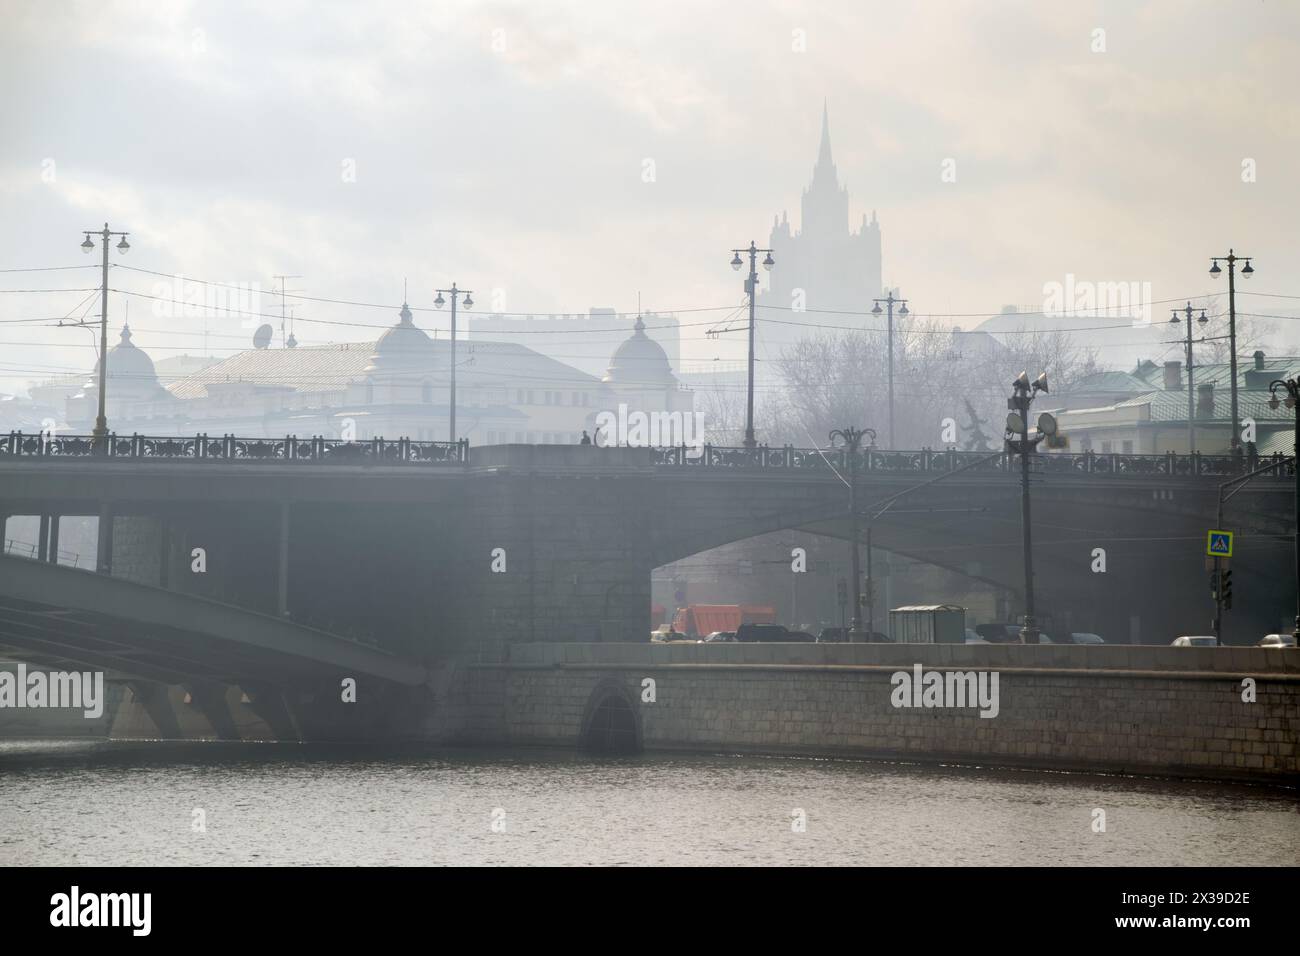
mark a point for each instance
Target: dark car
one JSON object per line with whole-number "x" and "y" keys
{"x": 999, "y": 633}
{"x": 770, "y": 633}
{"x": 719, "y": 637}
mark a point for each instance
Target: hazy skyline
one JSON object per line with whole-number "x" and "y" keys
{"x": 505, "y": 146}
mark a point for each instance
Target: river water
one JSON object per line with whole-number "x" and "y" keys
{"x": 118, "y": 803}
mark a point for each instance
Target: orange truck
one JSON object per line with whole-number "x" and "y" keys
{"x": 701, "y": 620}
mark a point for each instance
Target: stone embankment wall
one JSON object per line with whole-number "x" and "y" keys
{"x": 1161, "y": 710}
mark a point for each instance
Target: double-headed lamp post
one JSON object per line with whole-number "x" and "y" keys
{"x": 1246, "y": 272}
{"x": 1191, "y": 407}
{"x": 99, "y": 437}
{"x": 1292, "y": 388}
{"x": 889, "y": 300}
{"x": 455, "y": 294}
{"x": 850, "y": 439}
{"x": 751, "y": 289}
{"x": 1018, "y": 440}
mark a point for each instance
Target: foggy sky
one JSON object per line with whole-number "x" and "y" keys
{"x": 503, "y": 146}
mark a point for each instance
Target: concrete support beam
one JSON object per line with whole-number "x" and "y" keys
{"x": 153, "y": 698}
{"x": 104, "y": 549}
{"x": 269, "y": 704}
{"x": 282, "y": 572}
{"x": 210, "y": 699}
{"x": 43, "y": 539}
{"x": 54, "y": 539}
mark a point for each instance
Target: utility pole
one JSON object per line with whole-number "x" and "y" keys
{"x": 99, "y": 437}
{"x": 1247, "y": 271}
{"x": 1191, "y": 403}
{"x": 890, "y": 300}
{"x": 751, "y": 289}
{"x": 850, "y": 439}
{"x": 455, "y": 294}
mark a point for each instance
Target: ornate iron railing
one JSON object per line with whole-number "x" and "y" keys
{"x": 930, "y": 460}
{"x": 232, "y": 449}
{"x": 763, "y": 458}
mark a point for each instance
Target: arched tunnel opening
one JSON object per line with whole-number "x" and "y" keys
{"x": 611, "y": 727}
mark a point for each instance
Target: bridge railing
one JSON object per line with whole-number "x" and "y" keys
{"x": 231, "y": 448}
{"x": 929, "y": 460}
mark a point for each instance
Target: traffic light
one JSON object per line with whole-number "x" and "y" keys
{"x": 868, "y": 593}
{"x": 1214, "y": 584}
{"x": 1225, "y": 588}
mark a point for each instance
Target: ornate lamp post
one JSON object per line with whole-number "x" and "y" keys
{"x": 889, "y": 300}
{"x": 1246, "y": 272}
{"x": 850, "y": 439}
{"x": 1292, "y": 401}
{"x": 1018, "y": 440}
{"x": 99, "y": 437}
{"x": 455, "y": 294}
{"x": 751, "y": 289}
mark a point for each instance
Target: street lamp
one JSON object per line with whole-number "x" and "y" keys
{"x": 751, "y": 289}
{"x": 1191, "y": 408}
{"x": 890, "y": 300}
{"x": 1292, "y": 401}
{"x": 850, "y": 439}
{"x": 99, "y": 437}
{"x": 455, "y": 294}
{"x": 1018, "y": 440}
{"x": 1247, "y": 271}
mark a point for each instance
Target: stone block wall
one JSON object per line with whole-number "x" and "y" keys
{"x": 1174, "y": 711}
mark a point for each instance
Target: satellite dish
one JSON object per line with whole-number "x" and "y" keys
{"x": 262, "y": 337}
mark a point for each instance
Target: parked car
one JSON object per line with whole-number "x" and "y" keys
{"x": 973, "y": 638}
{"x": 1084, "y": 637}
{"x": 718, "y": 637}
{"x": 1276, "y": 640}
{"x": 770, "y": 633}
{"x": 1195, "y": 640}
{"x": 999, "y": 633}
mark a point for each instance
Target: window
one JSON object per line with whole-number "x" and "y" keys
{"x": 1128, "y": 448}
{"x": 1105, "y": 448}
{"x": 426, "y": 393}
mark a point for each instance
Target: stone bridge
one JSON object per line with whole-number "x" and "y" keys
{"x": 425, "y": 549}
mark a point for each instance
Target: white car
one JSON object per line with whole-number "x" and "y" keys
{"x": 1196, "y": 640}
{"x": 1084, "y": 637}
{"x": 973, "y": 638}
{"x": 1277, "y": 640}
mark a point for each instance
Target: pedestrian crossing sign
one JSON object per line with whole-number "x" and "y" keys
{"x": 1218, "y": 544}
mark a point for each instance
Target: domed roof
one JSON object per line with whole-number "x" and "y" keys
{"x": 402, "y": 347}
{"x": 130, "y": 370}
{"x": 640, "y": 361}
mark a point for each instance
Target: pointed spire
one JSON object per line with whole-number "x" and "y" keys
{"x": 824, "y": 153}
{"x": 405, "y": 315}
{"x": 126, "y": 334}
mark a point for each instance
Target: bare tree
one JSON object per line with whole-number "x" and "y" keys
{"x": 833, "y": 381}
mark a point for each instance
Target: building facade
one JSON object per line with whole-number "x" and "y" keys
{"x": 398, "y": 386}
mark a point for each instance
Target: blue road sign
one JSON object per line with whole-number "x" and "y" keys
{"x": 1218, "y": 544}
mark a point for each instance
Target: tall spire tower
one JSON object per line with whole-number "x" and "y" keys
{"x": 824, "y": 265}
